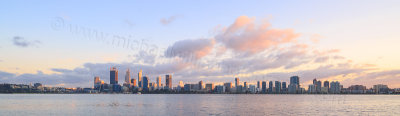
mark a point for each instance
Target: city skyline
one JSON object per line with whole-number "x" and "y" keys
{"x": 254, "y": 41}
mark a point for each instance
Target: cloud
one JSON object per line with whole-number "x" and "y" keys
{"x": 169, "y": 20}
{"x": 191, "y": 48}
{"x": 21, "y": 42}
{"x": 247, "y": 37}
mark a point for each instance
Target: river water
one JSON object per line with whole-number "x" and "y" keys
{"x": 196, "y": 104}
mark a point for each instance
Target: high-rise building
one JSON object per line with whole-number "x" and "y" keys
{"x": 228, "y": 86}
{"x": 128, "y": 77}
{"x": 264, "y": 87}
{"x": 278, "y": 87}
{"x": 312, "y": 89}
{"x": 200, "y": 85}
{"x": 245, "y": 86}
{"x": 258, "y": 84}
{"x": 271, "y": 87}
{"x": 295, "y": 80}
{"x": 380, "y": 88}
{"x": 252, "y": 88}
{"x": 220, "y": 89}
{"x": 314, "y": 82}
{"x": 284, "y": 88}
{"x": 140, "y": 78}
{"x": 159, "y": 82}
{"x": 113, "y": 75}
{"x": 326, "y": 84}
{"x": 237, "y": 83}
{"x": 318, "y": 86}
{"x": 97, "y": 82}
{"x": 209, "y": 86}
{"x": 294, "y": 86}
{"x": 145, "y": 82}
{"x": 180, "y": 85}
{"x": 133, "y": 81}
{"x": 168, "y": 81}
{"x": 335, "y": 87}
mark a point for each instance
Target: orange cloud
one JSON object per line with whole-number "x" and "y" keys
{"x": 247, "y": 37}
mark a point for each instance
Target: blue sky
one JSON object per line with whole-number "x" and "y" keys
{"x": 365, "y": 32}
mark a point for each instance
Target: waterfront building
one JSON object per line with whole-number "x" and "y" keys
{"x": 326, "y": 84}
{"x": 324, "y": 90}
{"x": 312, "y": 89}
{"x": 209, "y": 86}
{"x": 271, "y": 87}
{"x": 258, "y": 84}
{"x": 237, "y": 82}
{"x": 133, "y": 81}
{"x": 145, "y": 82}
{"x": 357, "y": 89}
{"x": 113, "y": 75}
{"x": 318, "y": 86}
{"x": 380, "y": 88}
{"x": 220, "y": 89}
{"x": 200, "y": 85}
{"x": 97, "y": 82}
{"x": 180, "y": 85}
{"x": 228, "y": 87}
{"x": 159, "y": 86}
{"x": 245, "y": 86}
{"x": 168, "y": 82}
{"x": 335, "y": 87}
{"x": 284, "y": 88}
{"x": 278, "y": 87}
{"x": 294, "y": 86}
{"x": 140, "y": 78}
{"x": 128, "y": 77}
{"x": 264, "y": 87}
{"x": 252, "y": 88}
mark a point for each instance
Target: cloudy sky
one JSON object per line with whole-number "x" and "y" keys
{"x": 68, "y": 43}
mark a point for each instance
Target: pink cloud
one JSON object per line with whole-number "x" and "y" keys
{"x": 247, "y": 37}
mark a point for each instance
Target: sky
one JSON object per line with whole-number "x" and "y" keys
{"x": 67, "y": 43}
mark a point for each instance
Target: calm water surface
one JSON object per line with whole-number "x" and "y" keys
{"x": 197, "y": 104}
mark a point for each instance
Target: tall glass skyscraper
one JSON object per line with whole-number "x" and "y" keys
{"x": 145, "y": 82}
{"x": 264, "y": 87}
{"x": 113, "y": 75}
{"x": 139, "y": 78}
{"x": 295, "y": 80}
{"x": 128, "y": 77}
{"x": 168, "y": 81}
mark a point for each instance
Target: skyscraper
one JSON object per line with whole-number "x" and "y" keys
{"x": 237, "y": 82}
{"x": 209, "y": 86}
{"x": 168, "y": 81}
{"x": 113, "y": 75}
{"x": 145, "y": 82}
{"x": 294, "y": 86}
{"x": 295, "y": 80}
{"x": 271, "y": 87}
{"x": 314, "y": 82}
{"x": 228, "y": 86}
{"x": 159, "y": 82}
{"x": 133, "y": 81}
{"x": 97, "y": 82}
{"x": 128, "y": 77}
{"x": 318, "y": 86}
{"x": 258, "y": 84}
{"x": 200, "y": 85}
{"x": 245, "y": 86}
{"x": 140, "y": 78}
{"x": 264, "y": 87}
{"x": 278, "y": 87}
{"x": 326, "y": 84}
{"x": 284, "y": 89}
